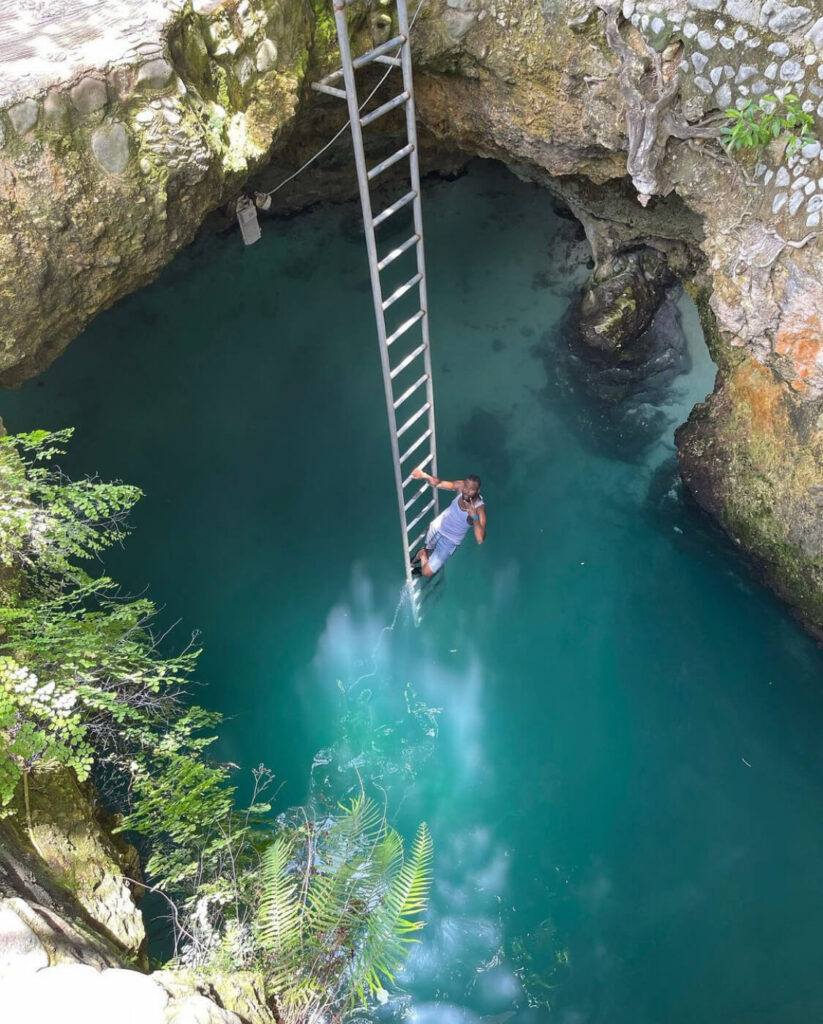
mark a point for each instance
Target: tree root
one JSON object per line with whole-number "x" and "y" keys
{"x": 653, "y": 115}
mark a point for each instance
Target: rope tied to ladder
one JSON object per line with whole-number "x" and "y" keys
{"x": 337, "y": 135}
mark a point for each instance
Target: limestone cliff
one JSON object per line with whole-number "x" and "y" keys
{"x": 540, "y": 86}
{"x": 71, "y": 936}
{"x": 109, "y": 166}
{"x": 121, "y": 126}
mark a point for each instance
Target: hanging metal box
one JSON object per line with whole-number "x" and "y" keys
{"x": 247, "y": 219}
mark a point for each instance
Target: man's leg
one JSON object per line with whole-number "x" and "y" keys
{"x": 425, "y": 565}
{"x": 431, "y": 561}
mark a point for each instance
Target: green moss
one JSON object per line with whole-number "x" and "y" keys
{"x": 325, "y": 31}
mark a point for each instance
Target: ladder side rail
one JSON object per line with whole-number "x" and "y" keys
{"x": 414, "y": 163}
{"x": 371, "y": 247}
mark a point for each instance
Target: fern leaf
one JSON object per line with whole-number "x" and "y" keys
{"x": 390, "y": 926}
{"x": 278, "y": 916}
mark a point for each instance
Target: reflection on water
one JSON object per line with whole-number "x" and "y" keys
{"x": 610, "y": 729}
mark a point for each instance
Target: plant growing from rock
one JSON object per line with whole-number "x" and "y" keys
{"x": 757, "y": 124}
{"x": 652, "y": 112}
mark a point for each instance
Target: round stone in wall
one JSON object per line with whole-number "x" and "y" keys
{"x": 155, "y": 74}
{"x": 89, "y": 95}
{"x": 55, "y": 111}
{"x": 23, "y": 116}
{"x": 266, "y": 55}
{"x": 791, "y": 71}
{"x": 110, "y": 146}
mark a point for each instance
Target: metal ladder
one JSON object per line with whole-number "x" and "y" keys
{"x": 407, "y": 372}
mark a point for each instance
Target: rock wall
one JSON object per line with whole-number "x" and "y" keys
{"x": 71, "y": 935}
{"x": 539, "y": 86}
{"x": 114, "y": 148}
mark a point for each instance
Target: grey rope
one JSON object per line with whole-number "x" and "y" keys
{"x": 335, "y": 137}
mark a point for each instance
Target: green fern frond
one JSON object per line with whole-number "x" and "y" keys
{"x": 389, "y": 927}
{"x": 278, "y": 916}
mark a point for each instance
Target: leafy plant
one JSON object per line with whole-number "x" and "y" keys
{"x": 756, "y": 124}
{"x": 339, "y": 907}
{"x": 326, "y": 906}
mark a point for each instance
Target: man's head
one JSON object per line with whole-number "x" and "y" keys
{"x": 471, "y": 487}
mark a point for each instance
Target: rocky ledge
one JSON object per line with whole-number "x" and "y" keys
{"x": 71, "y": 935}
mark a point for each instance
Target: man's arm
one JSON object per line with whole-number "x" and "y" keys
{"x": 435, "y": 481}
{"x": 479, "y": 523}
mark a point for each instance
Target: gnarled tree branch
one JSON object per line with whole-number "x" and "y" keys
{"x": 652, "y": 115}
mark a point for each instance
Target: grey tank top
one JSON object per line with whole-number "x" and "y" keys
{"x": 453, "y": 522}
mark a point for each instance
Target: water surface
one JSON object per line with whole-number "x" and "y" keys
{"x": 612, "y": 731}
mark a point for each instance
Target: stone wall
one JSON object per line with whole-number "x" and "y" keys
{"x": 114, "y": 149}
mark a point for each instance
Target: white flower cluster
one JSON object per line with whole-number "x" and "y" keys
{"x": 22, "y": 681}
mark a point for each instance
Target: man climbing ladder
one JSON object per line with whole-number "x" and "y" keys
{"x": 447, "y": 531}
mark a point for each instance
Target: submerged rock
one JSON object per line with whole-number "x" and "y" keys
{"x": 619, "y": 304}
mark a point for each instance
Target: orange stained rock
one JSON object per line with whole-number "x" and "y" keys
{"x": 800, "y": 339}
{"x": 757, "y": 390}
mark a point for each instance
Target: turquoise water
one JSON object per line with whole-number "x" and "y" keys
{"x": 612, "y": 731}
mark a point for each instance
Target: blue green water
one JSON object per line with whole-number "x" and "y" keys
{"x": 611, "y": 729}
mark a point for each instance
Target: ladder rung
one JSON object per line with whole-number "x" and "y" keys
{"x": 417, "y": 518}
{"x": 386, "y": 108}
{"x": 410, "y": 391}
{"x": 395, "y": 62}
{"x": 416, "y": 445}
{"x": 329, "y": 90}
{"x": 375, "y": 54}
{"x": 401, "y": 291}
{"x": 391, "y": 210}
{"x": 417, "y": 494}
{"x": 420, "y": 465}
{"x": 412, "y": 355}
{"x": 389, "y": 162}
{"x": 417, "y": 539}
{"x": 413, "y": 419}
{"x": 395, "y": 253}
{"x": 405, "y": 326}
{"x": 378, "y": 51}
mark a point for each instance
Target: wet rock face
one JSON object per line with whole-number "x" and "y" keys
{"x": 752, "y": 456}
{"x": 620, "y": 302}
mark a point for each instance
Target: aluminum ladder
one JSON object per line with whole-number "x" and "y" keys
{"x": 407, "y": 371}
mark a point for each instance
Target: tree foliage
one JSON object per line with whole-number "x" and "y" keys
{"x": 326, "y": 904}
